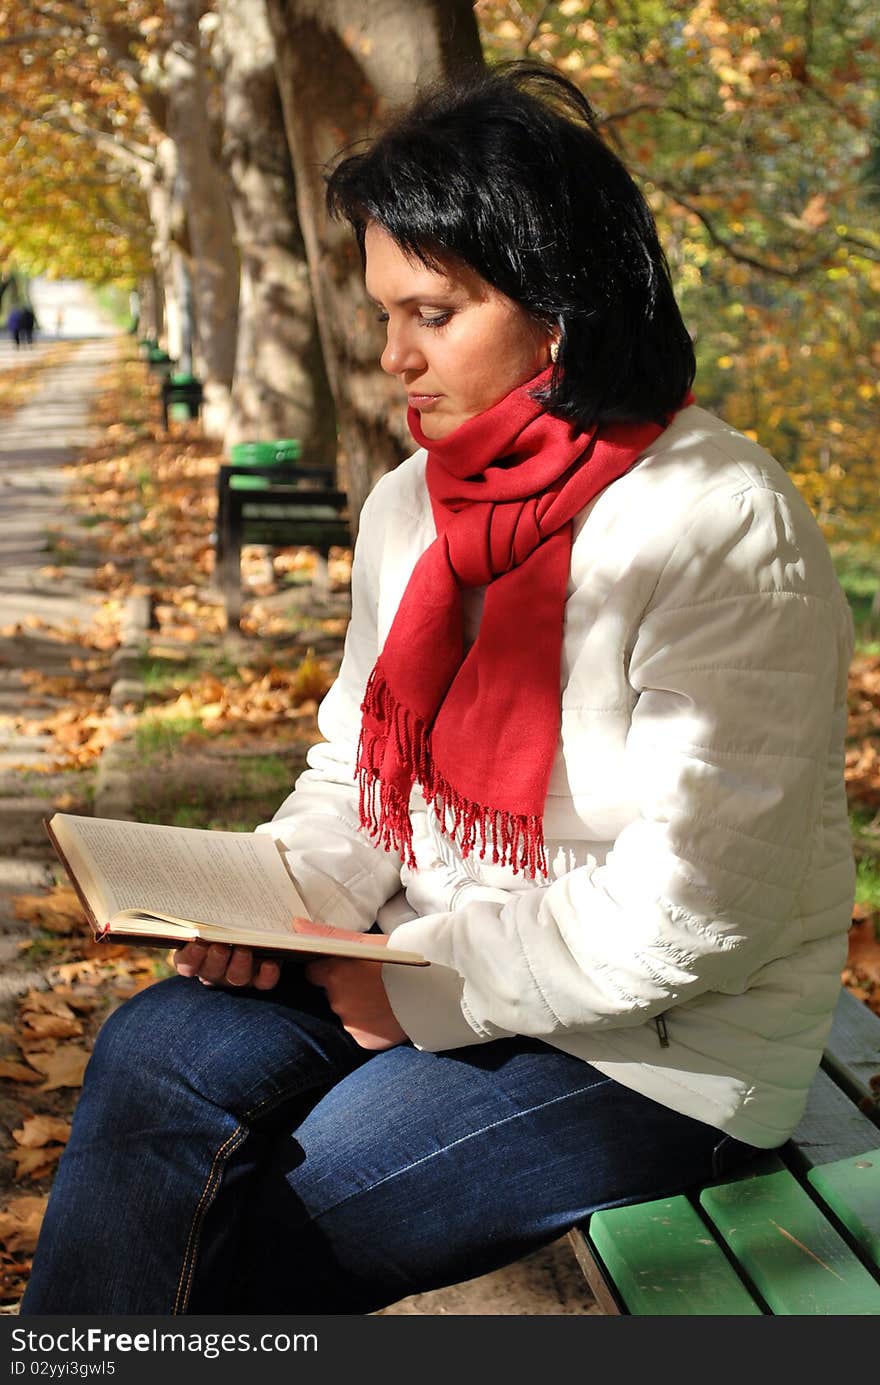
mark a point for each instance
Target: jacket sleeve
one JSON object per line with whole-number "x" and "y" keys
{"x": 739, "y": 668}
{"x": 342, "y": 878}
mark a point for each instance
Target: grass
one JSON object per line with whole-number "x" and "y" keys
{"x": 865, "y": 828}
{"x": 189, "y": 815}
{"x": 60, "y": 549}
{"x": 868, "y": 883}
{"x": 216, "y": 787}
{"x": 858, "y": 571}
{"x": 158, "y": 735}
{"x": 45, "y": 947}
{"x": 114, "y": 299}
{"x": 163, "y": 675}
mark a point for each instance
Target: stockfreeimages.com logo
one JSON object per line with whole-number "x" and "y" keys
{"x": 97, "y": 1341}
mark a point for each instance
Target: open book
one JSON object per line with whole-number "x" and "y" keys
{"x": 144, "y": 883}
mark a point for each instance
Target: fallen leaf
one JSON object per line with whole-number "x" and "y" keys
{"x": 58, "y": 911}
{"x": 20, "y": 1222}
{"x": 29, "y": 1043}
{"x": 43, "y": 1026}
{"x": 33, "y": 1163}
{"x": 63, "y": 1068}
{"x": 46, "y": 1002}
{"x": 17, "y": 1072}
{"x": 83, "y": 1001}
{"x": 864, "y": 948}
{"x": 41, "y": 1130}
{"x": 13, "y": 1278}
{"x": 104, "y": 952}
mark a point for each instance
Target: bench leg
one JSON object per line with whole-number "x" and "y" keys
{"x": 593, "y": 1274}
{"x": 321, "y": 578}
{"x": 229, "y": 560}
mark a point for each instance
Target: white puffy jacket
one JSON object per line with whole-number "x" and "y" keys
{"x": 700, "y": 856}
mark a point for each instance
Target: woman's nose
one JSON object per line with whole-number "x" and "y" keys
{"x": 400, "y": 352}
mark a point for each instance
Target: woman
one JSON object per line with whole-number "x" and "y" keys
{"x": 584, "y": 753}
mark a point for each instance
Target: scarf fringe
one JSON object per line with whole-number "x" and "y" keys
{"x": 515, "y": 839}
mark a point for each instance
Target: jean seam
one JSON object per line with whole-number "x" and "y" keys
{"x": 215, "y": 1173}
{"x": 184, "y": 1281}
{"x": 451, "y": 1144}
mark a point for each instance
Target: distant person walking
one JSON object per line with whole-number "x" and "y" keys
{"x": 21, "y": 323}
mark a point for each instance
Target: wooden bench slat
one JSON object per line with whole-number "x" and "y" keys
{"x": 293, "y": 499}
{"x": 831, "y": 1128}
{"x": 664, "y": 1261}
{"x": 291, "y": 514}
{"x": 851, "y": 1188}
{"x": 852, "y": 1054}
{"x": 802, "y": 1224}
{"x": 794, "y": 1257}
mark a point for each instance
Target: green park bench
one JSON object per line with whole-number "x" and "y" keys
{"x": 181, "y": 396}
{"x": 798, "y": 1233}
{"x": 280, "y": 503}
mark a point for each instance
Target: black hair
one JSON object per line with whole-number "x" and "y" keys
{"x": 505, "y": 169}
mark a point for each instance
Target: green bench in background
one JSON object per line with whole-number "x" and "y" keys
{"x": 798, "y": 1233}
{"x": 276, "y": 502}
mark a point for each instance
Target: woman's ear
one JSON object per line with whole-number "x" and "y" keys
{"x": 554, "y": 348}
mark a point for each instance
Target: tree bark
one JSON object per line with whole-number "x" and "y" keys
{"x": 215, "y": 268}
{"x": 169, "y": 247}
{"x": 280, "y": 388}
{"x": 342, "y": 66}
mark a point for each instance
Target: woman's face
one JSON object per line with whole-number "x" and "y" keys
{"x": 455, "y": 343}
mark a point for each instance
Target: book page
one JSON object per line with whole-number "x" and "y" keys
{"x": 233, "y": 879}
{"x": 367, "y": 946}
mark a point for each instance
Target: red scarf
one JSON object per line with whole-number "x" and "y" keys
{"x": 479, "y": 730}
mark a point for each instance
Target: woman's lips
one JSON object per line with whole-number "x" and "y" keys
{"x": 424, "y": 402}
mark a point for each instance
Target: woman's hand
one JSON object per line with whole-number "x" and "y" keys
{"x": 219, "y": 965}
{"x": 354, "y": 989}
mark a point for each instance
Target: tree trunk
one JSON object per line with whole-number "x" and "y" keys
{"x": 342, "y": 65}
{"x": 215, "y": 267}
{"x": 280, "y": 388}
{"x": 150, "y": 318}
{"x": 170, "y": 251}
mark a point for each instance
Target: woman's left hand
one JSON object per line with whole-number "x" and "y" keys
{"x": 354, "y": 989}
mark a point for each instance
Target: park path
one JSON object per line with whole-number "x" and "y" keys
{"x": 38, "y": 603}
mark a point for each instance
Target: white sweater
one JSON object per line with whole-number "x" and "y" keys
{"x": 696, "y": 825}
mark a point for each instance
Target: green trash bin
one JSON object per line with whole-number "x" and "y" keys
{"x": 159, "y": 361}
{"x": 275, "y": 452}
{"x": 182, "y": 396}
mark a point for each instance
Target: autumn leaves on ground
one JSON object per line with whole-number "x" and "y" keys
{"x": 217, "y": 736}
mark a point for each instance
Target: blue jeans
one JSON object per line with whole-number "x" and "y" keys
{"x": 236, "y": 1151}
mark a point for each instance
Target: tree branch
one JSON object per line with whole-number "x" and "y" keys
{"x": 536, "y": 24}
{"x": 779, "y": 271}
{"x": 864, "y": 247}
{"x": 140, "y": 158}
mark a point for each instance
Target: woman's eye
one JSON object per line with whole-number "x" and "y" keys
{"x": 382, "y": 316}
{"x": 434, "y": 319}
